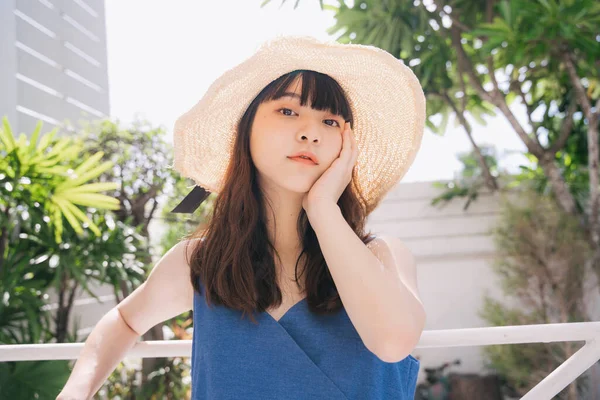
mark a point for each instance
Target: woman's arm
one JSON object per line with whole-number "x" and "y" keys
{"x": 166, "y": 293}
{"x": 104, "y": 348}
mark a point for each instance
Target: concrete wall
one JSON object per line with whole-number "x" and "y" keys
{"x": 454, "y": 250}
{"x": 54, "y": 65}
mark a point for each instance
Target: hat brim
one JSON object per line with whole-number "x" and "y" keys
{"x": 385, "y": 96}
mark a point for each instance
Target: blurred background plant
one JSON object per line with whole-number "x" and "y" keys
{"x": 60, "y": 236}
{"x": 540, "y": 260}
{"x": 42, "y": 183}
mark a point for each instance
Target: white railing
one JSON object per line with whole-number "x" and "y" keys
{"x": 550, "y": 386}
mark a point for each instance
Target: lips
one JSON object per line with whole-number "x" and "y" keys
{"x": 306, "y": 154}
{"x": 302, "y": 160}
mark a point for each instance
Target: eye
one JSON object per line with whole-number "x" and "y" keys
{"x": 332, "y": 120}
{"x": 284, "y": 110}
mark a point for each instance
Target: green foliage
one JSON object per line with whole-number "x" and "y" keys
{"x": 170, "y": 380}
{"x": 143, "y": 168}
{"x": 38, "y": 262}
{"x": 122, "y": 384}
{"x": 407, "y": 32}
{"x": 42, "y": 172}
{"x": 33, "y": 182}
{"x": 33, "y": 379}
{"x": 531, "y": 30}
{"x": 180, "y": 225}
{"x": 142, "y": 160}
{"x": 22, "y": 285}
{"x": 34, "y": 178}
{"x": 470, "y": 181}
{"x": 539, "y": 259}
{"x": 517, "y": 363}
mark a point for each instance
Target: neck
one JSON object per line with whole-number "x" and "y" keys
{"x": 282, "y": 210}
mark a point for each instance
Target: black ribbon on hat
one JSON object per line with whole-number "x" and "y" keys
{"x": 192, "y": 201}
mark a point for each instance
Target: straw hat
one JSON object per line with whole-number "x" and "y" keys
{"x": 385, "y": 97}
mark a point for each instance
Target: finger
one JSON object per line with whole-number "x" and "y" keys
{"x": 349, "y": 150}
{"x": 348, "y": 143}
{"x": 352, "y": 143}
{"x": 344, "y": 150}
{"x": 355, "y": 143}
{"x": 346, "y": 123}
{"x": 352, "y": 137}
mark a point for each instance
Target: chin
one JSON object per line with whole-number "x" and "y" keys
{"x": 300, "y": 185}
{"x": 289, "y": 180}
{"x": 298, "y": 188}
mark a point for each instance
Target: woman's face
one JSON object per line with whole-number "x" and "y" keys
{"x": 282, "y": 128}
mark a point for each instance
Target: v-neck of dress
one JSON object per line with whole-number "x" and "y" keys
{"x": 287, "y": 312}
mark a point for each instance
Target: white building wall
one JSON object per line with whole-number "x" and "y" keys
{"x": 54, "y": 63}
{"x": 453, "y": 250}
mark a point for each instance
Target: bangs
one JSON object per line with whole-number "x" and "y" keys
{"x": 319, "y": 91}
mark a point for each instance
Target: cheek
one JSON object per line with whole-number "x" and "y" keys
{"x": 257, "y": 149}
{"x": 264, "y": 149}
{"x": 334, "y": 148}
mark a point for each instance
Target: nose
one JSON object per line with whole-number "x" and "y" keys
{"x": 310, "y": 133}
{"x": 314, "y": 139}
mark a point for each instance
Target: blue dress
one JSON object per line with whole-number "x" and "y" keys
{"x": 301, "y": 356}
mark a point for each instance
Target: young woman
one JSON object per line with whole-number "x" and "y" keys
{"x": 301, "y": 142}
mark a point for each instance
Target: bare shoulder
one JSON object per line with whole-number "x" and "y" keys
{"x": 395, "y": 254}
{"x": 166, "y": 293}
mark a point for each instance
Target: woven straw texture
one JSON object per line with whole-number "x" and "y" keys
{"x": 385, "y": 96}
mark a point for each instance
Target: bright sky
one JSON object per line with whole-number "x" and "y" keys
{"x": 162, "y": 56}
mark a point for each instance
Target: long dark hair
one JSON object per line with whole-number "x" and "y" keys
{"x": 235, "y": 261}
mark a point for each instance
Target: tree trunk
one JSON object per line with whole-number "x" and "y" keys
{"x": 592, "y": 139}
{"x": 490, "y": 181}
{"x": 64, "y": 310}
{"x": 559, "y": 186}
{"x": 4, "y": 237}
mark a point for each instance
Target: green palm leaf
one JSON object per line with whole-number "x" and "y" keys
{"x": 79, "y": 214}
{"x": 93, "y": 187}
{"x": 62, "y": 204}
{"x": 91, "y": 200}
{"x": 34, "y": 137}
{"x": 6, "y": 135}
{"x": 91, "y": 174}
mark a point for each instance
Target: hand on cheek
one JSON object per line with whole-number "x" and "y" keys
{"x": 330, "y": 186}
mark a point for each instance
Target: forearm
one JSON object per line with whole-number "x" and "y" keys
{"x": 105, "y": 347}
{"x": 375, "y": 298}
